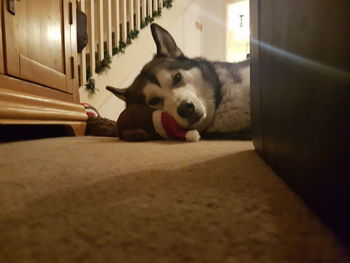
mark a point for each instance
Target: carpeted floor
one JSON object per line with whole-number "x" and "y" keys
{"x": 95, "y": 199}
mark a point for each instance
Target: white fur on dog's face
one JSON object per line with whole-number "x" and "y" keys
{"x": 192, "y": 88}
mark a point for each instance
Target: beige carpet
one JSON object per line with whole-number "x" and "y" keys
{"x": 97, "y": 200}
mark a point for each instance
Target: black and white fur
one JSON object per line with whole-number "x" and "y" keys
{"x": 212, "y": 97}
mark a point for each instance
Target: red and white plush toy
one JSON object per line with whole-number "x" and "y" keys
{"x": 142, "y": 123}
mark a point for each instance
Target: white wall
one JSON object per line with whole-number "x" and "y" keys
{"x": 212, "y": 15}
{"x": 209, "y": 43}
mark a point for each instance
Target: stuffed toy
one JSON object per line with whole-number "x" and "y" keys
{"x": 142, "y": 123}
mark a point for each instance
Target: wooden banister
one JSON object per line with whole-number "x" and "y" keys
{"x": 111, "y": 24}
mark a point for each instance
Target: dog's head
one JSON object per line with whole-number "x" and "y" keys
{"x": 173, "y": 83}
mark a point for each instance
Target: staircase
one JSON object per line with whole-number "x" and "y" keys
{"x": 122, "y": 28}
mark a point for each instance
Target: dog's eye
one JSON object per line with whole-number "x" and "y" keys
{"x": 177, "y": 78}
{"x": 154, "y": 101}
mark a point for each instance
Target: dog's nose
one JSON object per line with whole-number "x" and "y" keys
{"x": 185, "y": 109}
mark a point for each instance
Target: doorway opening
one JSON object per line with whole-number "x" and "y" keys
{"x": 238, "y": 32}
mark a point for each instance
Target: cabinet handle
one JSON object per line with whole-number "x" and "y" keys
{"x": 72, "y": 67}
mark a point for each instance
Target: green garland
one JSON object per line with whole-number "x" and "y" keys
{"x": 90, "y": 86}
{"x": 120, "y": 48}
{"x": 168, "y": 3}
{"x": 157, "y": 13}
{"x": 133, "y": 34}
{"x": 148, "y": 20}
{"x": 105, "y": 63}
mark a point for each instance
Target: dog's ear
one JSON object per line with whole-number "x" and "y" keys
{"x": 166, "y": 45}
{"x": 120, "y": 93}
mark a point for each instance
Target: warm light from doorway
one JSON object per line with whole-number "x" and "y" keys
{"x": 238, "y": 32}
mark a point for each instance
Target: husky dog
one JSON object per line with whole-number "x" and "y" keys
{"x": 212, "y": 97}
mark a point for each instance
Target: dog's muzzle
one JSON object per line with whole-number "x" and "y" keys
{"x": 187, "y": 110}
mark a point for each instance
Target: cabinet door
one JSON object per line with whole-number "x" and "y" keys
{"x": 37, "y": 42}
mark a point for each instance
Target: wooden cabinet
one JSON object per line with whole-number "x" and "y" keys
{"x": 38, "y": 43}
{"x": 39, "y": 81}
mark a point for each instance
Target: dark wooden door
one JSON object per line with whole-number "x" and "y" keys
{"x": 300, "y": 81}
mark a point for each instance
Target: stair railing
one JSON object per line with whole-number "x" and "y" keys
{"x": 111, "y": 26}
